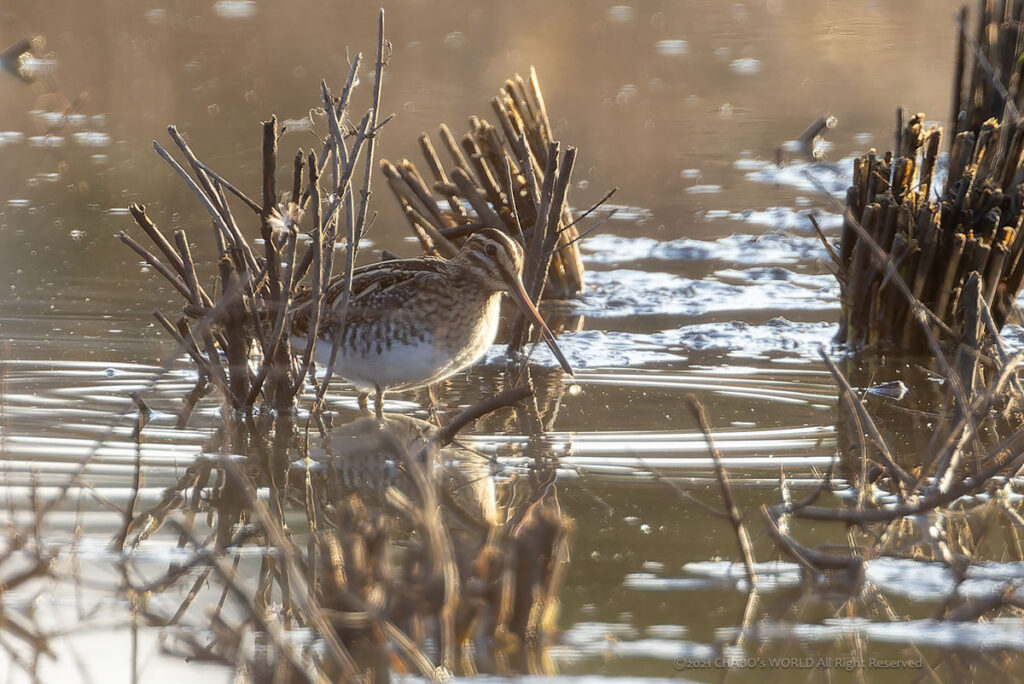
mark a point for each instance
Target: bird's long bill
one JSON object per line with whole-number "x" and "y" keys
{"x": 522, "y": 299}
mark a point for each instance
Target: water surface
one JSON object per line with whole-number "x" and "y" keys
{"x": 708, "y": 281}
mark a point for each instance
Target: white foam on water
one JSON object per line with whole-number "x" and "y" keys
{"x": 621, "y": 14}
{"x": 235, "y": 9}
{"x": 770, "y": 248}
{"x": 832, "y": 177}
{"x": 46, "y": 141}
{"x": 745, "y": 66}
{"x": 92, "y": 138}
{"x": 925, "y": 581}
{"x": 624, "y": 292}
{"x": 671, "y": 48}
{"x": 597, "y": 349}
{"x": 996, "y": 634}
{"x": 623, "y": 212}
{"x": 774, "y": 339}
{"x": 11, "y": 137}
{"x": 622, "y": 640}
{"x": 780, "y": 218}
{"x": 704, "y": 189}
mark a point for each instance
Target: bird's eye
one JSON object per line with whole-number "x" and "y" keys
{"x": 491, "y": 250}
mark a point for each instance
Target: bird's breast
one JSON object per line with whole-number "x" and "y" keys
{"x": 412, "y": 348}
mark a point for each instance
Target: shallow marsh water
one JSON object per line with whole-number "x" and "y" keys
{"x": 708, "y": 281}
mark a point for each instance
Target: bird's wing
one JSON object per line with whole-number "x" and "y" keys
{"x": 373, "y": 286}
{"x": 379, "y": 278}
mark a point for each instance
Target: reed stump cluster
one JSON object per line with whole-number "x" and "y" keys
{"x": 923, "y": 245}
{"x": 514, "y": 177}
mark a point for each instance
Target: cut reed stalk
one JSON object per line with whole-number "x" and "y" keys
{"x": 972, "y": 224}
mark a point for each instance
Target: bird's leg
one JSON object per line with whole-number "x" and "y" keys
{"x": 378, "y": 403}
{"x": 364, "y": 404}
{"x": 432, "y": 406}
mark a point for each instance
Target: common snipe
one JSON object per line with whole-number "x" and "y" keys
{"x": 414, "y": 322}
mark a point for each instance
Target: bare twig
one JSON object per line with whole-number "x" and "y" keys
{"x": 742, "y": 536}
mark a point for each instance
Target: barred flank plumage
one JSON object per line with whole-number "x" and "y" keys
{"x": 413, "y": 322}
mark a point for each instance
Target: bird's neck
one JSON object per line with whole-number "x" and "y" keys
{"x": 468, "y": 275}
